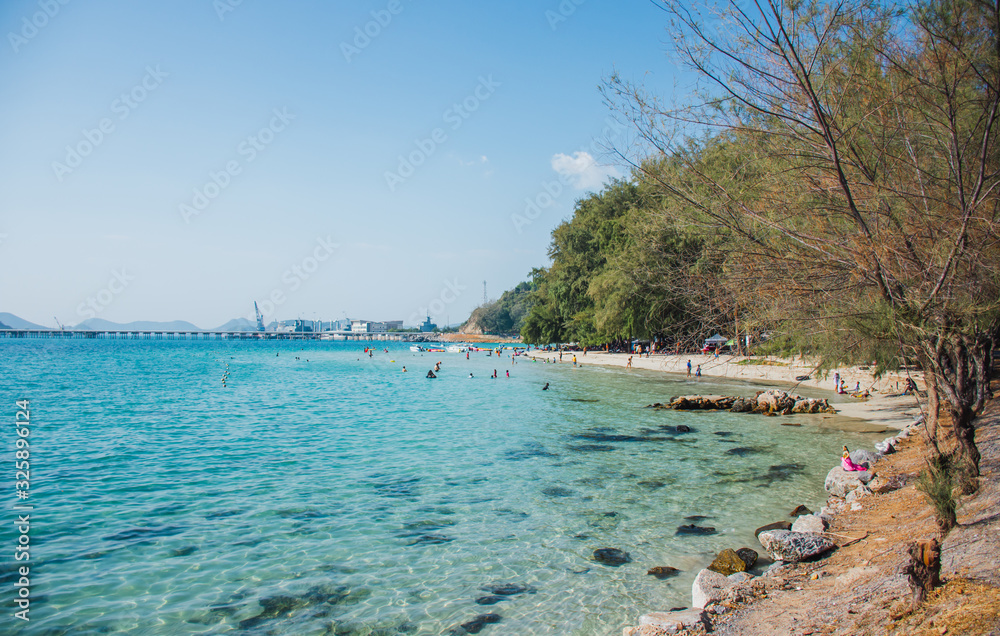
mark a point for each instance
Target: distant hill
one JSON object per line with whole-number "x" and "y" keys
{"x": 98, "y": 324}
{"x": 3, "y": 326}
{"x": 13, "y": 322}
{"x": 237, "y": 324}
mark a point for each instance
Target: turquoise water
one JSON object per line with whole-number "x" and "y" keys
{"x": 325, "y": 492}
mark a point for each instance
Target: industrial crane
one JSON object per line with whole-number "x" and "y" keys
{"x": 260, "y": 318}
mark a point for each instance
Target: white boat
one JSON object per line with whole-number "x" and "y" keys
{"x": 454, "y": 349}
{"x": 416, "y": 348}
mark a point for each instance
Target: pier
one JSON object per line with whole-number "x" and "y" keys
{"x": 219, "y": 335}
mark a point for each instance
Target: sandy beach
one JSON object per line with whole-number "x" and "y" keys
{"x": 886, "y": 407}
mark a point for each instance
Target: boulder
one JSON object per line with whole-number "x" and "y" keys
{"x": 887, "y": 446}
{"x": 749, "y": 556}
{"x": 784, "y": 545}
{"x": 672, "y": 622}
{"x": 709, "y": 587}
{"x": 809, "y": 524}
{"x": 611, "y": 556}
{"x": 811, "y": 405}
{"x": 728, "y": 562}
{"x": 839, "y": 482}
{"x": 775, "y": 401}
{"x": 777, "y": 525}
{"x": 864, "y": 456}
{"x": 742, "y": 405}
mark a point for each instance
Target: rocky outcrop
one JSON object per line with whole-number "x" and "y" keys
{"x": 785, "y": 545}
{"x": 765, "y": 402}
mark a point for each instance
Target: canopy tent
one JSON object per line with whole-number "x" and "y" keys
{"x": 716, "y": 340}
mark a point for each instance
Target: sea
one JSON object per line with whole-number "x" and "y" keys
{"x": 309, "y": 488}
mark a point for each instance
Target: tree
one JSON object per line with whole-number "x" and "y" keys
{"x": 863, "y": 200}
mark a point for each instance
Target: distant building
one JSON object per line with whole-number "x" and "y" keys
{"x": 370, "y": 326}
{"x": 428, "y": 326}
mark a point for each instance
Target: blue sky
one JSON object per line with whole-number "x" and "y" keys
{"x": 180, "y": 160}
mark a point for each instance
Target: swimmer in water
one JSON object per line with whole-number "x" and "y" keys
{"x": 404, "y": 369}
{"x": 430, "y": 374}
{"x": 471, "y": 376}
{"x": 546, "y": 387}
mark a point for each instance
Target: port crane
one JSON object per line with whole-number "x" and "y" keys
{"x": 59, "y": 324}
{"x": 260, "y": 318}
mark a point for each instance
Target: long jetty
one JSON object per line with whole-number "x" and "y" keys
{"x": 216, "y": 335}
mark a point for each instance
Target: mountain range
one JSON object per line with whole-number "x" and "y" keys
{"x": 10, "y": 321}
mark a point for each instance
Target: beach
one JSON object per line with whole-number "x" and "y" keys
{"x": 886, "y": 406}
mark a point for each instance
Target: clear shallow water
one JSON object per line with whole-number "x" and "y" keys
{"x": 341, "y": 496}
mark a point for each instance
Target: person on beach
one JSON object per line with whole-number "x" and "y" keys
{"x": 848, "y": 465}
{"x": 842, "y": 389}
{"x": 911, "y": 387}
{"x": 508, "y": 373}
{"x": 697, "y": 372}
{"x": 629, "y": 365}
{"x": 836, "y": 381}
{"x": 574, "y": 360}
{"x": 689, "y": 368}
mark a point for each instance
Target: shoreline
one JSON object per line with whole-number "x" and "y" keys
{"x": 885, "y": 408}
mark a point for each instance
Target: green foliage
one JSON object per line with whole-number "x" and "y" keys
{"x": 506, "y": 315}
{"x": 938, "y": 482}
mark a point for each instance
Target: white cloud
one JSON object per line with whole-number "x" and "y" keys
{"x": 582, "y": 170}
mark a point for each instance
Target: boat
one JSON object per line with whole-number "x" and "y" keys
{"x": 454, "y": 349}
{"x": 416, "y": 348}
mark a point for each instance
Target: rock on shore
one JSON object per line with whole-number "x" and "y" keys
{"x": 785, "y": 545}
{"x": 765, "y": 402}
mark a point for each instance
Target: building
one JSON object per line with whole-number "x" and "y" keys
{"x": 428, "y": 326}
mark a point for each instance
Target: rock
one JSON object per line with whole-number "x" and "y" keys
{"x": 778, "y": 525}
{"x": 672, "y": 622}
{"x": 492, "y": 599}
{"x": 683, "y": 428}
{"x": 811, "y": 405}
{"x": 864, "y": 456}
{"x": 784, "y": 545}
{"x": 777, "y": 567}
{"x": 509, "y": 589}
{"x": 728, "y": 562}
{"x": 611, "y": 556}
{"x": 477, "y": 624}
{"x": 663, "y": 571}
{"x": 709, "y": 587}
{"x": 774, "y": 401}
{"x": 740, "y": 577}
{"x": 887, "y": 446}
{"x": 856, "y": 506}
{"x": 809, "y": 524}
{"x": 749, "y": 556}
{"x": 799, "y": 511}
{"x": 742, "y": 405}
{"x": 839, "y": 482}
{"x": 693, "y": 529}
{"x": 881, "y": 485}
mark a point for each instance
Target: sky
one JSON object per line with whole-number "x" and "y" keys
{"x": 378, "y": 160}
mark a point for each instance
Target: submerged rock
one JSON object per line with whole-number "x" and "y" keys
{"x": 509, "y": 589}
{"x": 663, "y": 572}
{"x": 477, "y": 624}
{"x": 784, "y": 545}
{"x": 611, "y": 556}
{"x": 695, "y": 530}
{"x": 668, "y": 622}
{"x": 492, "y": 599}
